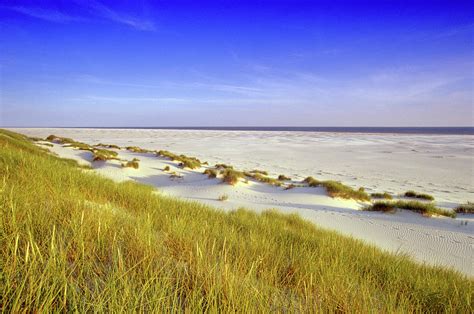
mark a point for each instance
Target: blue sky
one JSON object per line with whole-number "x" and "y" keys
{"x": 236, "y": 63}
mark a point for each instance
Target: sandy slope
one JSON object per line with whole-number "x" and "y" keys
{"x": 441, "y": 165}
{"x": 442, "y": 241}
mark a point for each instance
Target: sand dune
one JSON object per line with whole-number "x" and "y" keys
{"x": 439, "y": 241}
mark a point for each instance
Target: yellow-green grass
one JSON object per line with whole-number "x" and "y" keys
{"x": 131, "y": 164}
{"x": 427, "y": 209}
{"x": 384, "y": 195}
{"x": 282, "y": 177}
{"x": 231, "y": 176}
{"x": 423, "y": 196}
{"x": 263, "y": 178}
{"x": 211, "y": 173}
{"x": 108, "y": 146}
{"x": 99, "y": 154}
{"x": 184, "y": 161}
{"x": 72, "y": 241}
{"x": 136, "y": 149}
{"x": 337, "y": 189}
{"x": 467, "y": 208}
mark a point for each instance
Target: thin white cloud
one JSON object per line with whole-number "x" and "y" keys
{"x": 105, "y": 12}
{"x": 94, "y": 8}
{"x": 47, "y": 15}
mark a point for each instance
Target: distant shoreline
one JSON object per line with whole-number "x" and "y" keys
{"x": 384, "y": 130}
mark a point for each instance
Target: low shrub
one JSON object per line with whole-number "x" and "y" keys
{"x": 167, "y": 168}
{"x": 291, "y": 186}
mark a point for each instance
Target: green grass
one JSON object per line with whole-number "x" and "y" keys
{"x": 427, "y": 209}
{"x": 231, "y": 176}
{"x": 135, "y": 149}
{"x": 261, "y": 172}
{"x": 383, "y": 195}
{"x": 184, "y": 161}
{"x": 108, "y": 146}
{"x": 282, "y": 177}
{"x": 73, "y": 241}
{"x": 312, "y": 182}
{"x": 263, "y": 178}
{"x": 337, "y": 189}
{"x": 131, "y": 164}
{"x": 223, "y": 166}
{"x": 467, "y": 208}
{"x": 423, "y": 196}
{"x": 223, "y": 197}
{"x": 211, "y": 173}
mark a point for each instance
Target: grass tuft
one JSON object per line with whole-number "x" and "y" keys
{"x": 467, "y": 208}
{"x": 108, "y": 146}
{"x": 135, "y": 149}
{"x": 282, "y": 177}
{"x": 131, "y": 164}
{"x": 427, "y": 209}
{"x": 211, "y": 173}
{"x": 383, "y": 195}
{"x": 423, "y": 196}
{"x": 223, "y": 197}
{"x": 231, "y": 176}
{"x": 184, "y": 161}
{"x": 337, "y": 189}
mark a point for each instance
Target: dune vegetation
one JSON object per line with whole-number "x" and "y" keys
{"x": 423, "y": 196}
{"x": 337, "y": 189}
{"x": 73, "y": 241}
{"x": 427, "y": 209}
{"x": 184, "y": 161}
{"x": 132, "y": 164}
{"x": 467, "y": 208}
{"x": 384, "y": 195}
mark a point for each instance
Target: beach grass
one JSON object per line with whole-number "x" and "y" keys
{"x": 73, "y": 241}
{"x": 384, "y": 195}
{"x": 184, "y": 161}
{"x": 231, "y": 176}
{"x": 337, "y": 189}
{"x": 211, "y": 173}
{"x": 423, "y": 196}
{"x": 259, "y": 176}
{"x": 131, "y": 164}
{"x": 282, "y": 177}
{"x": 427, "y": 209}
{"x": 467, "y": 208}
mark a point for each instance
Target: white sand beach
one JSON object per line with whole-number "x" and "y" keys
{"x": 440, "y": 165}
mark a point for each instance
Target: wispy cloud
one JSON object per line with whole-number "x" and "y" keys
{"x": 105, "y": 12}
{"x": 92, "y": 9}
{"x": 46, "y": 15}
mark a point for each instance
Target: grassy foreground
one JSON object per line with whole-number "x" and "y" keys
{"x": 71, "y": 240}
